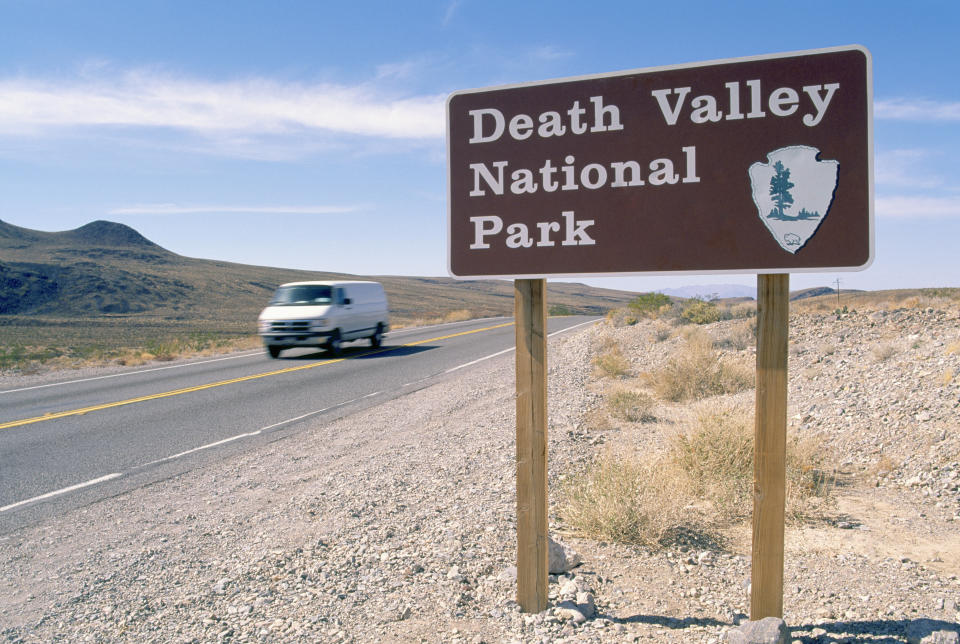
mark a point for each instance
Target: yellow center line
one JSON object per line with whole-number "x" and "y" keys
{"x": 187, "y": 390}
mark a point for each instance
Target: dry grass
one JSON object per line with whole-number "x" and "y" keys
{"x": 702, "y": 484}
{"x": 459, "y": 315}
{"x": 883, "y": 352}
{"x": 947, "y": 377}
{"x": 76, "y": 344}
{"x": 714, "y": 458}
{"x": 618, "y": 498}
{"x": 742, "y": 310}
{"x": 935, "y": 298}
{"x": 630, "y": 405}
{"x": 884, "y": 465}
{"x": 662, "y": 332}
{"x": 610, "y": 361}
{"x": 621, "y": 317}
{"x": 740, "y": 336}
{"x": 698, "y": 371}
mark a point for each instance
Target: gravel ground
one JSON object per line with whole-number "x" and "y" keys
{"x": 397, "y": 523}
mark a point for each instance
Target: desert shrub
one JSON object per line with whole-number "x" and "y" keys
{"x": 651, "y": 305}
{"x": 697, "y": 371}
{"x": 458, "y": 316}
{"x": 743, "y": 310}
{"x": 953, "y": 347}
{"x": 701, "y": 312}
{"x": 618, "y": 498}
{"x": 945, "y": 293}
{"x": 716, "y": 457}
{"x": 630, "y": 405}
{"x": 621, "y": 317}
{"x": 561, "y": 309}
{"x": 884, "y": 465}
{"x": 703, "y": 483}
{"x": 739, "y": 336}
{"x": 662, "y": 332}
{"x": 610, "y": 361}
{"x": 883, "y": 352}
{"x": 19, "y": 356}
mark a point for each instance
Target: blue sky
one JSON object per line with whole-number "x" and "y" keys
{"x": 311, "y": 134}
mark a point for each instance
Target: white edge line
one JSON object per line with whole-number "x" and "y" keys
{"x": 72, "y": 488}
{"x": 132, "y": 373}
{"x": 203, "y": 447}
{"x": 575, "y": 326}
{"x": 473, "y": 362}
{"x": 500, "y": 353}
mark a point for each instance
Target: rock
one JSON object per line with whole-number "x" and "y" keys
{"x": 570, "y": 612}
{"x": 569, "y": 588}
{"x": 562, "y": 558}
{"x": 931, "y": 631}
{"x": 586, "y": 604}
{"x": 769, "y": 630}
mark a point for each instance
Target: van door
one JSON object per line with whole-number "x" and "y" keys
{"x": 344, "y": 316}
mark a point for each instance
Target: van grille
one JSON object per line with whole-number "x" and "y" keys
{"x": 290, "y": 326}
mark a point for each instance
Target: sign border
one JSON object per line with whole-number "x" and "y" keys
{"x": 645, "y": 70}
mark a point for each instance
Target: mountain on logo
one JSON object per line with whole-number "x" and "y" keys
{"x": 793, "y": 192}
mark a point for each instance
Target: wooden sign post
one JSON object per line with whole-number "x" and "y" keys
{"x": 530, "y": 316}
{"x": 770, "y": 440}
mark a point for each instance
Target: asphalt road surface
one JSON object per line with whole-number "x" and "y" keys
{"x": 68, "y": 443}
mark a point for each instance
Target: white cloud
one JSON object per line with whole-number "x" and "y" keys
{"x": 177, "y": 209}
{"x": 251, "y": 106}
{"x": 551, "y": 53}
{"x": 918, "y": 207}
{"x": 916, "y": 110}
{"x": 907, "y": 168}
{"x": 449, "y": 12}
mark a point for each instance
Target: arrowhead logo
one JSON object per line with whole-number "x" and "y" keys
{"x": 793, "y": 192}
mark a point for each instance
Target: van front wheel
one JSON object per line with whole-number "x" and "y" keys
{"x": 274, "y": 350}
{"x": 334, "y": 344}
{"x": 377, "y": 338}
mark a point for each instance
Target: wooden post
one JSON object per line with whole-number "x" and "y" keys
{"x": 530, "y": 316}
{"x": 770, "y": 441}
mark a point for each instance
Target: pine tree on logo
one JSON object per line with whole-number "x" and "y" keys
{"x": 780, "y": 185}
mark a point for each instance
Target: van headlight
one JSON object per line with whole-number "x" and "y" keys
{"x": 319, "y": 324}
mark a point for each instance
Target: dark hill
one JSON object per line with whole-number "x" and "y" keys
{"x": 109, "y": 269}
{"x": 817, "y": 291}
{"x": 107, "y": 233}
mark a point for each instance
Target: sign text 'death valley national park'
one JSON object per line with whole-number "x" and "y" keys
{"x": 753, "y": 165}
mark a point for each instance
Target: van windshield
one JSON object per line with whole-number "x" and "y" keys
{"x": 302, "y": 294}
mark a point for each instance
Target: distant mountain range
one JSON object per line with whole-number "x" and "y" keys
{"x": 712, "y": 291}
{"x": 109, "y": 269}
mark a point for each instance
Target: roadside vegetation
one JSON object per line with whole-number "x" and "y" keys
{"x": 30, "y": 345}
{"x": 678, "y": 464}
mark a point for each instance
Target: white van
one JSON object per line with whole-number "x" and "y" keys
{"x": 323, "y": 314}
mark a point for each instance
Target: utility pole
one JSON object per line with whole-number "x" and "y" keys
{"x": 837, "y": 282}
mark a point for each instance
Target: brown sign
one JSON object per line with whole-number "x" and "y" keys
{"x": 753, "y": 165}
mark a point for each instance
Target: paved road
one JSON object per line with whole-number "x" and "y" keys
{"x": 66, "y": 444}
